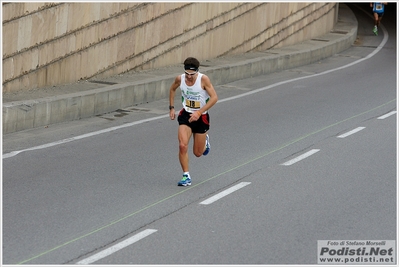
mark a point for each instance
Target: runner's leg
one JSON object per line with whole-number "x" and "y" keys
{"x": 199, "y": 144}
{"x": 184, "y": 134}
{"x": 375, "y": 19}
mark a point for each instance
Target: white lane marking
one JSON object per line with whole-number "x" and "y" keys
{"x": 224, "y": 193}
{"x": 380, "y": 46}
{"x": 387, "y": 115}
{"x": 301, "y": 157}
{"x": 117, "y": 247}
{"x": 358, "y": 129}
{"x": 14, "y": 153}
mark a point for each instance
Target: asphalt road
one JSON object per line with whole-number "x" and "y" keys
{"x": 304, "y": 155}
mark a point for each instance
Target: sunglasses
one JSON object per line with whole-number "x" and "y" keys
{"x": 190, "y": 74}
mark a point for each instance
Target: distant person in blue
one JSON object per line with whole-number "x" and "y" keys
{"x": 378, "y": 12}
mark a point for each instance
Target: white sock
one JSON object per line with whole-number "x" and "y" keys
{"x": 187, "y": 173}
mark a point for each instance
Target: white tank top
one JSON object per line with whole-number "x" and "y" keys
{"x": 193, "y": 97}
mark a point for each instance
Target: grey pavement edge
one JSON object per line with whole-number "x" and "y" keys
{"x": 46, "y": 106}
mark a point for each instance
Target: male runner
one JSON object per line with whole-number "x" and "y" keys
{"x": 198, "y": 96}
{"x": 378, "y": 12}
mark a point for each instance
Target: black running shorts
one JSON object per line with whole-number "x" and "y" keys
{"x": 199, "y": 126}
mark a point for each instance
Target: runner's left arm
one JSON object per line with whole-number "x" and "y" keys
{"x": 213, "y": 97}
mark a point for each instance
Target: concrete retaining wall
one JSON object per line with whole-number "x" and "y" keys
{"x": 47, "y": 44}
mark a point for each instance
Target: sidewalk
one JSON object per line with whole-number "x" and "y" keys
{"x": 85, "y": 99}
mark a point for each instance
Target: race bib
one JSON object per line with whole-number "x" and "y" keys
{"x": 193, "y": 104}
{"x": 378, "y": 7}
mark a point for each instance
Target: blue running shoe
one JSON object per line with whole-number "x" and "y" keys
{"x": 207, "y": 145}
{"x": 185, "y": 181}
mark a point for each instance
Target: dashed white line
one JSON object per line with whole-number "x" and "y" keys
{"x": 358, "y": 129}
{"x": 224, "y": 193}
{"x": 387, "y": 115}
{"x": 117, "y": 247}
{"x": 301, "y": 157}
